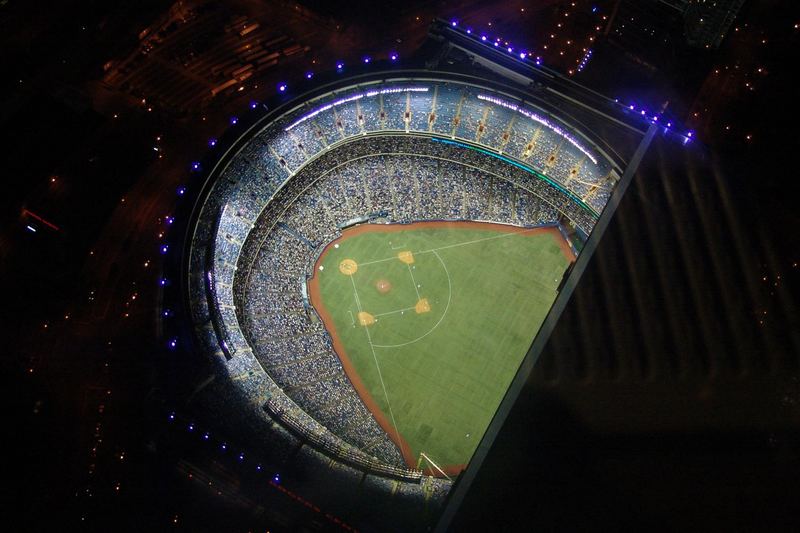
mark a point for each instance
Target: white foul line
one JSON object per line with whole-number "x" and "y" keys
{"x": 378, "y": 368}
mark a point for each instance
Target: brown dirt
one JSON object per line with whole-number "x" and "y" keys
{"x": 383, "y": 286}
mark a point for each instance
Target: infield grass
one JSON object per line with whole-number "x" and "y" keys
{"x": 434, "y": 379}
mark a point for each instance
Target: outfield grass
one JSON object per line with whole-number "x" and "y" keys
{"x": 435, "y": 379}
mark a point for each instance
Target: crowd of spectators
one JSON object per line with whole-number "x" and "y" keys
{"x": 281, "y": 198}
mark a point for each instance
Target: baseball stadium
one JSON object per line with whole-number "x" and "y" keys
{"x": 370, "y": 262}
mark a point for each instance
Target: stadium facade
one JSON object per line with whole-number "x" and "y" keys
{"x": 405, "y": 146}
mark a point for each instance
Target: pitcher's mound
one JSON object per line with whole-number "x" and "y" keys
{"x": 365, "y": 319}
{"x": 383, "y": 286}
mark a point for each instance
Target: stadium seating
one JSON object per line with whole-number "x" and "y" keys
{"x": 390, "y": 148}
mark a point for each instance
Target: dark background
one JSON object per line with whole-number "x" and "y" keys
{"x": 667, "y": 398}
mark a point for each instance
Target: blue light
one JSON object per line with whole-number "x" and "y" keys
{"x": 276, "y": 478}
{"x": 309, "y": 75}
{"x": 172, "y": 416}
{"x": 170, "y": 220}
{"x": 196, "y": 166}
{"x": 469, "y": 30}
{"x": 181, "y": 191}
{"x": 173, "y": 343}
{"x": 523, "y": 55}
{"x": 689, "y": 134}
{"x": 393, "y": 57}
{"x": 206, "y": 435}
{"x": 454, "y": 23}
{"x": 253, "y": 105}
{"x": 483, "y": 37}
{"x": 241, "y": 456}
{"x": 212, "y": 142}
{"x": 632, "y": 107}
{"x": 340, "y": 65}
{"x": 166, "y": 312}
{"x": 282, "y": 87}
{"x": 669, "y": 124}
{"x": 164, "y": 248}
{"x": 594, "y": 9}
{"x": 191, "y": 427}
{"x": 258, "y": 467}
{"x": 224, "y": 446}
{"x": 496, "y": 43}
{"x": 163, "y": 282}
{"x": 367, "y": 59}
{"x": 234, "y": 120}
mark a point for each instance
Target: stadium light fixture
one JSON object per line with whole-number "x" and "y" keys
{"x": 166, "y": 313}
{"x": 171, "y": 416}
{"x": 191, "y": 427}
{"x": 454, "y": 23}
{"x": 163, "y": 282}
{"x": 181, "y": 191}
{"x": 206, "y": 435}
{"x": 483, "y": 37}
{"x": 234, "y": 120}
{"x": 339, "y": 65}
{"x": 164, "y": 248}
{"x": 253, "y": 105}
{"x": 212, "y": 142}
{"x": 469, "y": 31}
{"x": 367, "y": 59}
{"x": 173, "y": 343}
{"x": 309, "y": 75}
{"x": 393, "y": 56}
{"x": 282, "y": 87}
{"x": 196, "y": 165}
{"x": 523, "y": 55}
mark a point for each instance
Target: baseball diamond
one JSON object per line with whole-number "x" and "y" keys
{"x": 437, "y": 344}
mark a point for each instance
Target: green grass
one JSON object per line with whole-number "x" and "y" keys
{"x": 440, "y": 376}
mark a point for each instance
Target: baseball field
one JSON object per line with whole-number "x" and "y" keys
{"x": 431, "y": 321}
